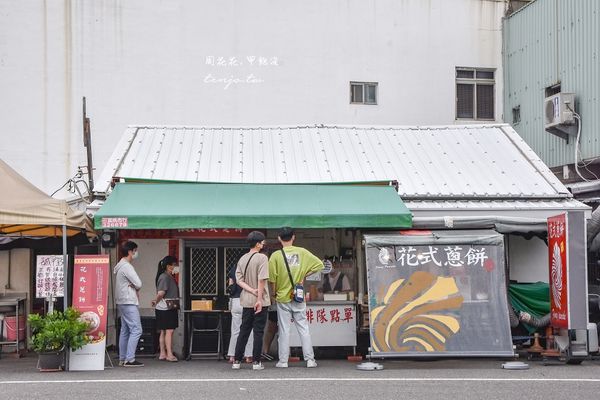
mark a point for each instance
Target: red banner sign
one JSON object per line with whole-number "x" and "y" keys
{"x": 90, "y": 292}
{"x": 208, "y": 233}
{"x": 557, "y": 257}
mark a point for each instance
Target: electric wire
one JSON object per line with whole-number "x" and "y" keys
{"x": 578, "y": 149}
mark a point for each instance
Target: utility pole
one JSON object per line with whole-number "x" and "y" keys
{"x": 87, "y": 142}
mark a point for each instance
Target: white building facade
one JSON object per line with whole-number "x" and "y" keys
{"x": 375, "y": 62}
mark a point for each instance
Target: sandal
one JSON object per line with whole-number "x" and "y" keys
{"x": 172, "y": 359}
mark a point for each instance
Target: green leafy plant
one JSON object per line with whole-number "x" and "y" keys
{"x": 57, "y": 331}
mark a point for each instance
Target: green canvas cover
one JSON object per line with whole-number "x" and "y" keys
{"x": 209, "y": 205}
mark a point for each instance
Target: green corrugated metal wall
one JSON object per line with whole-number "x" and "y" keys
{"x": 547, "y": 42}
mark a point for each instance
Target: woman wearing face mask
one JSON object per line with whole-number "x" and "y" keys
{"x": 167, "y": 318}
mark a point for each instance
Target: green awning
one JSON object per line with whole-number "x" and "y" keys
{"x": 206, "y": 205}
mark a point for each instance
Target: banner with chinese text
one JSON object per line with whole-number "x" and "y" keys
{"x": 90, "y": 297}
{"x": 332, "y": 324}
{"x": 49, "y": 276}
{"x": 440, "y": 293}
{"x": 567, "y": 265}
{"x": 557, "y": 257}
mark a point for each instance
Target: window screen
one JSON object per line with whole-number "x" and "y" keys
{"x": 371, "y": 94}
{"x": 464, "y": 101}
{"x": 357, "y": 93}
{"x": 485, "y": 102}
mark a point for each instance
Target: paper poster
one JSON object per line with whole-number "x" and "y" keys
{"x": 49, "y": 276}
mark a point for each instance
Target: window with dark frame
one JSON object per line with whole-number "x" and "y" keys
{"x": 475, "y": 93}
{"x": 363, "y": 93}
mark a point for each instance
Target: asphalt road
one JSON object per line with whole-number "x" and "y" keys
{"x": 445, "y": 379}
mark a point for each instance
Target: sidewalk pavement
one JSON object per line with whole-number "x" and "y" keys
{"x": 12, "y": 369}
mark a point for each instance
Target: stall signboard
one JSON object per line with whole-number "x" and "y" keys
{"x": 204, "y": 233}
{"x": 567, "y": 265}
{"x": 439, "y": 293}
{"x": 329, "y": 324}
{"x": 90, "y": 297}
{"x": 557, "y": 247}
{"x": 115, "y": 222}
{"x": 49, "y": 276}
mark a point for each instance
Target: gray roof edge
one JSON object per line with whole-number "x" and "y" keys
{"x": 324, "y": 126}
{"x": 102, "y": 184}
{"x": 536, "y": 162}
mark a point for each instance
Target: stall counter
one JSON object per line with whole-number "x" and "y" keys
{"x": 331, "y": 323}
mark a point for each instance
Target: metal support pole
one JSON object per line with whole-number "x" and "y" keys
{"x": 65, "y": 270}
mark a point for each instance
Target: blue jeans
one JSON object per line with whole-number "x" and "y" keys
{"x": 131, "y": 330}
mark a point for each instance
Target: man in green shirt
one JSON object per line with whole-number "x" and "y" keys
{"x": 301, "y": 263}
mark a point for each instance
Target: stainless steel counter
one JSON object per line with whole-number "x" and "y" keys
{"x": 14, "y": 305}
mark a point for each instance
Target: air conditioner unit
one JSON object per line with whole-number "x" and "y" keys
{"x": 558, "y": 110}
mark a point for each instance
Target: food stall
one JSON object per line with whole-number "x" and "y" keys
{"x": 207, "y": 236}
{"x": 330, "y": 183}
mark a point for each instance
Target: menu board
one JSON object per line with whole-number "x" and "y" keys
{"x": 49, "y": 276}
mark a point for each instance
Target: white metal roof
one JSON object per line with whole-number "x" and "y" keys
{"x": 430, "y": 163}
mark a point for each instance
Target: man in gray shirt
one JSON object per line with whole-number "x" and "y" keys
{"x": 127, "y": 285}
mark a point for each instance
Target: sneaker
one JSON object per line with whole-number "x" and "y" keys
{"x": 236, "y": 365}
{"x": 281, "y": 364}
{"x": 267, "y": 356}
{"x": 133, "y": 364}
{"x": 311, "y": 364}
{"x": 121, "y": 363}
{"x": 257, "y": 366}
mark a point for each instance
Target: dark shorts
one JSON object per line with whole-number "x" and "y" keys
{"x": 273, "y": 316}
{"x": 166, "y": 319}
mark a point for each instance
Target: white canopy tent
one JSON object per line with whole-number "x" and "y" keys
{"x": 27, "y": 212}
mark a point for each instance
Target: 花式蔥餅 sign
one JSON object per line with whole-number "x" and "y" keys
{"x": 567, "y": 264}
{"x": 443, "y": 293}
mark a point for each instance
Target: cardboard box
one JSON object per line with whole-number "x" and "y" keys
{"x": 202, "y": 305}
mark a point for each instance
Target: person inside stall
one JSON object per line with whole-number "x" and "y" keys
{"x": 335, "y": 281}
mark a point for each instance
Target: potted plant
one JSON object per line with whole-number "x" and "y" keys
{"x": 54, "y": 333}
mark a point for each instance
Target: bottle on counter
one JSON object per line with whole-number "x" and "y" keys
{"x": 314, "y": 293}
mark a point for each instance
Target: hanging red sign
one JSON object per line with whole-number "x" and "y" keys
{"x": 558, "y": 267}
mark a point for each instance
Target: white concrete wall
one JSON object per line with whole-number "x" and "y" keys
{"x": 20, "y": 272}
{"x": 528, "y": 259}
{"x": 144, "y": 62}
